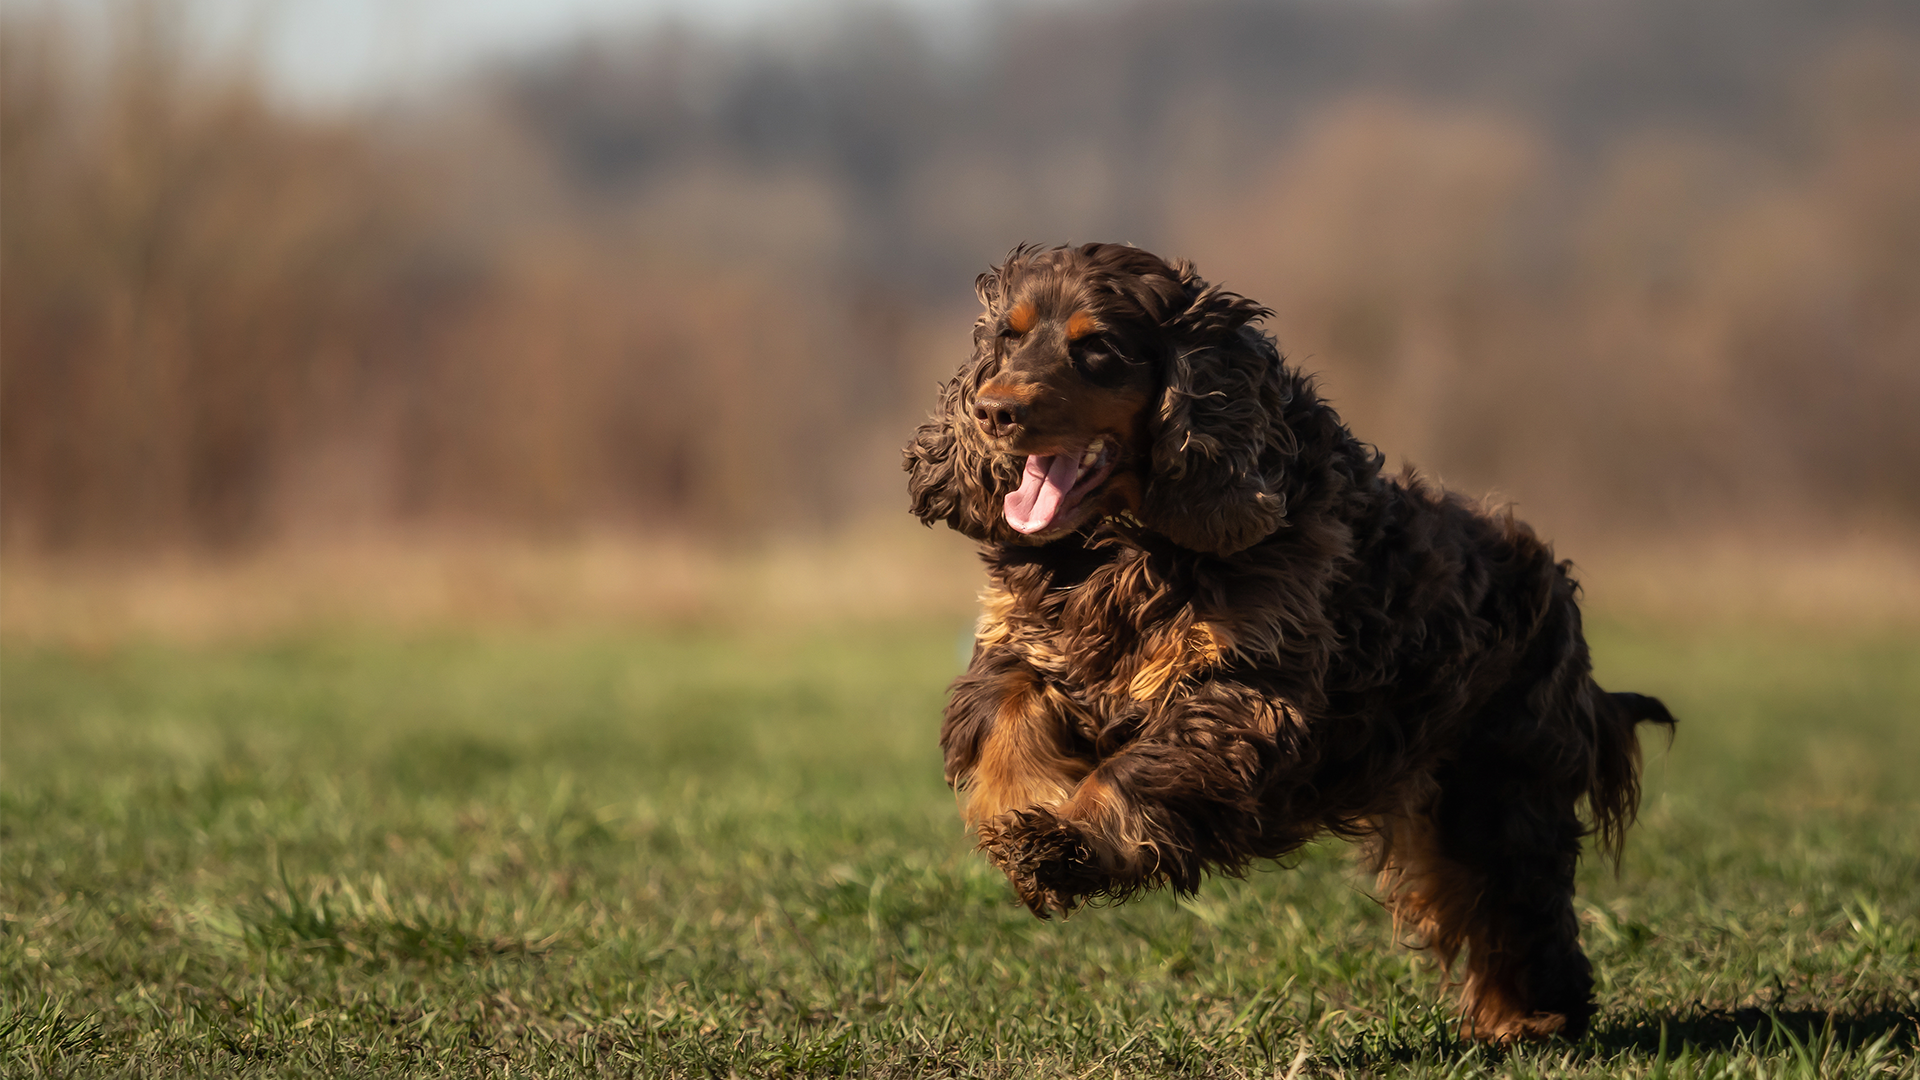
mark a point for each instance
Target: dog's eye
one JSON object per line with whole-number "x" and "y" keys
{"x": 1100, "y": 362}
{"x": 1094, "y": 357}
{"x": 1010, "y": 333}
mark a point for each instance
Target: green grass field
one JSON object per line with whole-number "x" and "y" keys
{"x": 699, "y": 852}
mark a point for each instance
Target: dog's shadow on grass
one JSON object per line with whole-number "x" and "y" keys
{"x": 1694, "y": 1031}
{"x": 1723, "y": 1029}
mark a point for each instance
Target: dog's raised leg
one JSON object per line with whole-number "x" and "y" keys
{"x": 1011, "y": 749}
{"x": 1184, "y": 795}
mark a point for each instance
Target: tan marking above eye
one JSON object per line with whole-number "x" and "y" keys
{"x": 1080, "y": 324}
{"x": 1020, "y": 319}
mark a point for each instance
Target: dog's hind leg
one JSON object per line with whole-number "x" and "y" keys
{"x": 1485, "y": 867}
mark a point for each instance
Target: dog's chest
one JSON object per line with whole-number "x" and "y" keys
{"x": 1109, "y": 646}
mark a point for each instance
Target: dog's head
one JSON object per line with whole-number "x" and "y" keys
{"x": 1103, "y": 381}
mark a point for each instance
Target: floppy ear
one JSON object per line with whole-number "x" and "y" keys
{"x": 951, "y": 477}
{"x": 1220, "y": 442}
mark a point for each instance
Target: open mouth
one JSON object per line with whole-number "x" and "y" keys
{"x": 1055, "y": 483}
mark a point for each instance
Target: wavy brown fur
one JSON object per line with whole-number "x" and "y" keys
{"x": 1247, "y": 636}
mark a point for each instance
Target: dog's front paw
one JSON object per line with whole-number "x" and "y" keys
{"x": 1048, "y": 859}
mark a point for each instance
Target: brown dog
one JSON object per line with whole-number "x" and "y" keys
{"x": 1213, "y": 631}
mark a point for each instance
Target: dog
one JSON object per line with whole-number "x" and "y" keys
{"x": 1214, "y": 629}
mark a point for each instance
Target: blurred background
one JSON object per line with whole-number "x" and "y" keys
{"x": 431, "y": 310}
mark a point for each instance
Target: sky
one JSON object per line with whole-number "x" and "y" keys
{"x": 342, "y": 52}
{"x": 328, "y": 50}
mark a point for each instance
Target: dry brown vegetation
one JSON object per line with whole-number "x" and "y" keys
{"x": 699, "y": 288}
{"x": 228, "y": 323}
{"x": 1672, "y": 331}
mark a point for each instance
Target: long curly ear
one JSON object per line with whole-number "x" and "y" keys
{"x": 1220, "y": 443}
{"x": 951, "y": 477}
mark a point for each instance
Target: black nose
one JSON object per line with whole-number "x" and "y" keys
{"x": 998, "y": 414}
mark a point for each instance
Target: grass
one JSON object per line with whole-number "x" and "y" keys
{"x": 701, "y": 852}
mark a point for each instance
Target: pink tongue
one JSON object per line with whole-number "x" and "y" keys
{"x": 1046, "y": 483}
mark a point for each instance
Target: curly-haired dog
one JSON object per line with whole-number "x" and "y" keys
{"x": 1213, "y": 631}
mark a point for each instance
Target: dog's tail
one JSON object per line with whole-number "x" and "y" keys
{"x": 1613, "y": 793}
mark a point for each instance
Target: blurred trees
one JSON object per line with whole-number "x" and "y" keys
{"x": 225, "y": 323}
{"x": 189, "y": 281}
{"x": 1673, "y": 329}
{"x": 1635, "y": 261}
